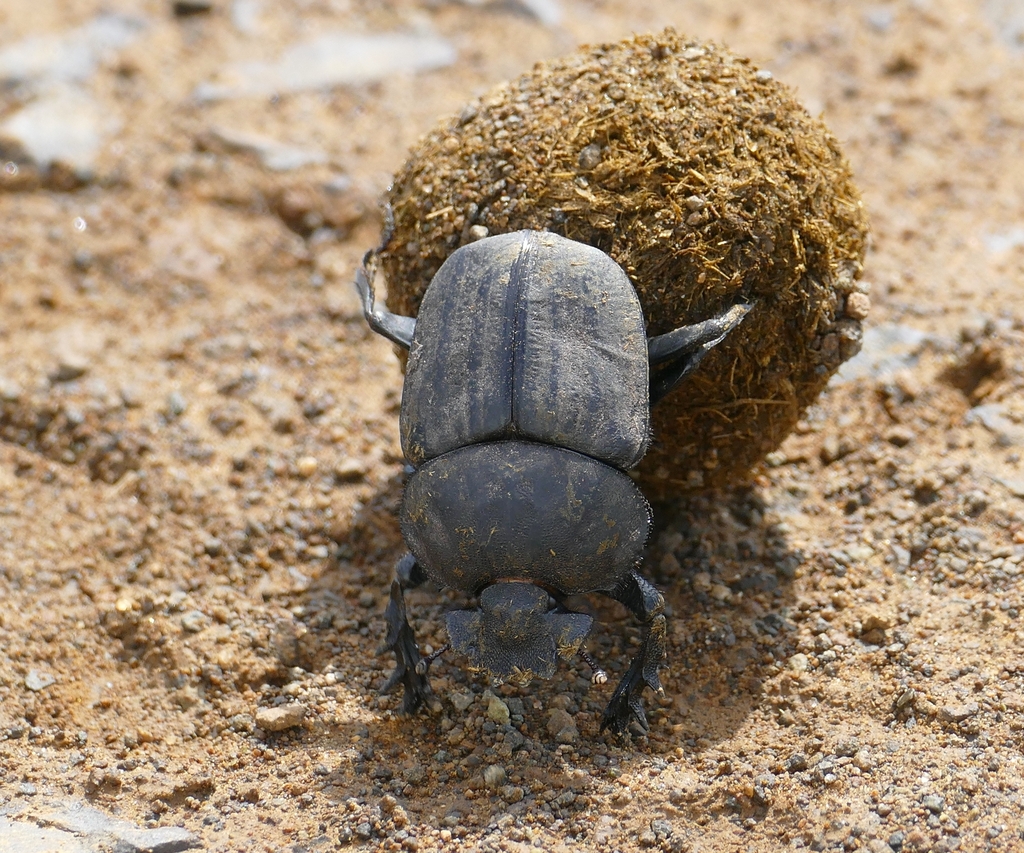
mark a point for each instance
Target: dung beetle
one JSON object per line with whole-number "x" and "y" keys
{"x": 527, "y": 397}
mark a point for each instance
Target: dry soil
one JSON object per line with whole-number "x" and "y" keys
{"x": 199, "y": 471}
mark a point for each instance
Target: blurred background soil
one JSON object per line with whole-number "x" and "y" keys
{"x": 199, "y": 464}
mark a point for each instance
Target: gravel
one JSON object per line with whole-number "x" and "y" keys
{"x": 190, "y": 622}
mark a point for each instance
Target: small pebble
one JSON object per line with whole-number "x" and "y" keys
{"x": 306, "y": 466}
{"x": 876, "y": 622}
{"x": 958, "y": 713}
{"x": 879, "y": 18}
{"x": 176, "y": 404}
{"x": 349, "y": 470}
{"x": 194, "y": 621}
{"x": 462, "y": 701}
{"x": 863, "y": 761}
{"x": 514, "y": 739}
{"x": 661, "y": 828}
{"x": 590, "y": 157}
{"x": 799, "y": 663}
{"x": 71, "y": 365}
{"x": 835, "y": 447}
{"x": 858, "y": 306}
{"x": 899, "y": 436}
{"x": 36, "y": 680}
{"x": 720, "y": 592}
{"x": 494, "y": 776}
{"x": 130, "y": 396}
{"x": 280, "y": 718}
{"x": 10, "y": 391}
{"x": 860, "y": 553}
{"x": 498, "y": 711}
{"x": 511, "y": 793}
{"x": 562, "y": 726}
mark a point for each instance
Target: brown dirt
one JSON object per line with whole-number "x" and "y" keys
{"x": 199, "y": 471}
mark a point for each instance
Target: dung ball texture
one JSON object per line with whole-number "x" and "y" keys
{"x": 708, "y": 183}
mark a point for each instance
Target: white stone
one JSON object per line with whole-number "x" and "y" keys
{"x": 66, "y": 125}
{"x": 333, "y": 59}
{"x": 71, "y": 56}
{"x": 276, "y": 156}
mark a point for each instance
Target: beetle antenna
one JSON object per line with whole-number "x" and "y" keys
{"x": 424, "y": 664}
{"x": 599, "y": 676}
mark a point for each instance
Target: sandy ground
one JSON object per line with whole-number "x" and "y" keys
{"x": 199, "y": 470}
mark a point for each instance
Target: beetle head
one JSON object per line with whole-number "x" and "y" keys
{"x": 515, "y": 635}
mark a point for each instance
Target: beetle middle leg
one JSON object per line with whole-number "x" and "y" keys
{"x": 676, "y": 354}
{"x": 647, "y": 604}
{"x": 410, "y": 666}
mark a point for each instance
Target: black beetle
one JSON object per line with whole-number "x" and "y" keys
{"x": 527, "y": 397}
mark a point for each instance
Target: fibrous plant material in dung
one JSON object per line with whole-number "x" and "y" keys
{"x": 707, "y": 181}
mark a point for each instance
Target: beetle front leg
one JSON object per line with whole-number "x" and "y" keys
{"x": 410, "y": 666}
{"x": 647, "y": 604}
{"x": 397, "y": 329}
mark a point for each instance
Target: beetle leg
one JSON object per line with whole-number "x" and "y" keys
{"x": 401, "y": 641}
{"x": 394, "y": 327}
{"x": 409, "y": 573}
{"x": 599, "y": 675}
{"x": 647, "y": 604}
{"x": 682, "y": 349}
{"x": 389, "y": 228}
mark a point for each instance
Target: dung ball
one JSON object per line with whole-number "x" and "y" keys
{"x": 706, "y": 181}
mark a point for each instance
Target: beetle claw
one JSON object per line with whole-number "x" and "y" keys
{"x": 408, "y": 660}
{"x": 625, "y": 706}
{"x": 626, "y": 703}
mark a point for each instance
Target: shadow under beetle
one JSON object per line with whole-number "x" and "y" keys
{"x": 527, "y": 397}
